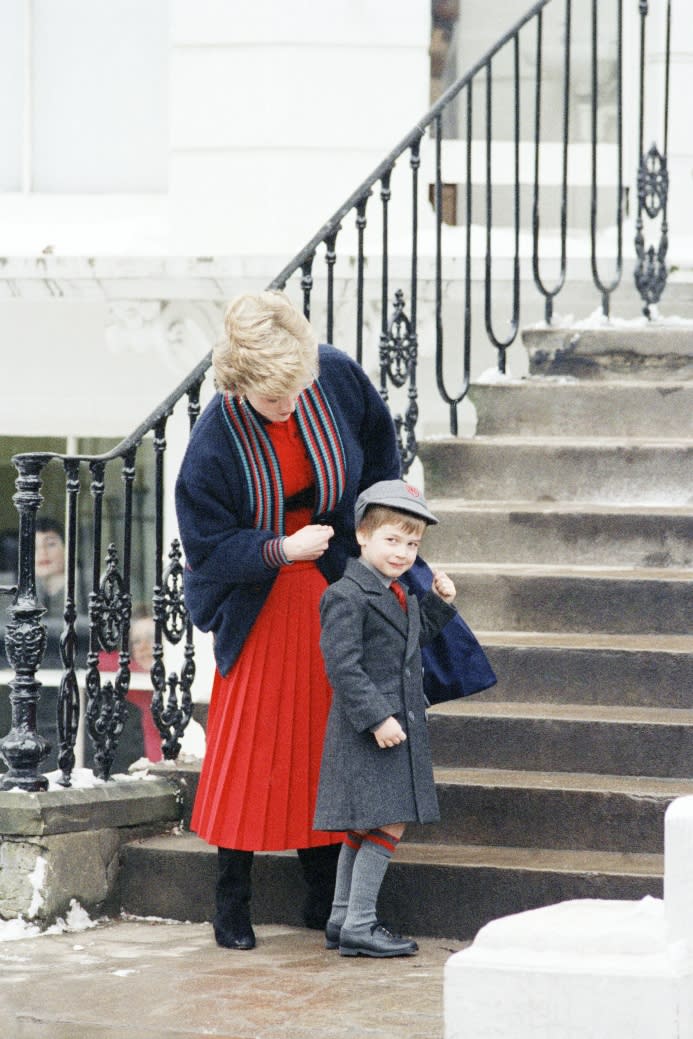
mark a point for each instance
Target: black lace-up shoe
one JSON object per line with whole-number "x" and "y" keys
{"x": 375, "y": 941}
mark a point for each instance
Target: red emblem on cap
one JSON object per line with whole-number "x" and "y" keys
{"x": 414, "y": 491}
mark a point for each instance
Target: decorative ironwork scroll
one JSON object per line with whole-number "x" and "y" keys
{"x": 109, "y": 619}
{"x": 651, "y": 270}
{"x": 172, "y": 621}
{"x": 398, "y": 357}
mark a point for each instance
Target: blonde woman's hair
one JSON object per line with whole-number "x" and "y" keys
{"x": 269, "y": 347}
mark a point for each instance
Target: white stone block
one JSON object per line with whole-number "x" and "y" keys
{"x": 678, "y": 874}
{"x": 587, "y": 969}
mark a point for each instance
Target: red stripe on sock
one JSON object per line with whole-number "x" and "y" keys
{"x": 353, "y": 840}
{"x": 385, "y": 840}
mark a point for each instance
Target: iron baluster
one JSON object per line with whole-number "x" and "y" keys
{"x": 330, "y": 260}
{"x": 606, "y": 289}
{"x": 439, "y": 331}
{"x": 171, "y": 614}
{"x": 171, "y": 621}
{"x": 651, "y": 270}
{"x": 307, "y": 284}
{"x": 502, "y": 345}
{"x": 385, "y": 195}
{"x": 549, "y": 294}
{"x": 68, "y": 705}
{"x": 409, "y": 446}
{"x": 25, "y": 641}
{"x": 122, "y": 679}
{"x": 398, "y": 364}
{"x": 361, "y": 228}
{"x": 158, "y": 675}
{"x": 194, "y": 404}
{"x": 108, "y": 605}
{"x": 467, "y": 343}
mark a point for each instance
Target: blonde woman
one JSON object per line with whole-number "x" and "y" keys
{"x": 265, "y": 500}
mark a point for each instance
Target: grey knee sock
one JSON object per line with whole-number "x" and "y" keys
{"x": 342, "y": 887}
{"x": 367, "y": 876}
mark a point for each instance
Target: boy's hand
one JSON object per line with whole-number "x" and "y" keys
{"x": 443, "y": 586}
{"x": 389, "y": 733}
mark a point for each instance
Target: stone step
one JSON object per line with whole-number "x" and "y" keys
{"x": 440, "y": 890}
{"x": 552, "y": 532}
{"x": 612, "y": 351}
{"x": 627, "y": 741}
{"x": 556, "y": 810}
{"x": 635, "y": 671}
{"x": 551, "y": 407}
{"x": 573, "y": 599}
{"x": 601, "y": 470}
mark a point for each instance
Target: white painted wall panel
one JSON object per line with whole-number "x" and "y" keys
{"x": 300, "y": 21}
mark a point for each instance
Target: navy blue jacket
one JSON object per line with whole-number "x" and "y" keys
{"x": 228, "y": 575}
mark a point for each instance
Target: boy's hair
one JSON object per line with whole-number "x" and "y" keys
{"x": 377, "y": 516}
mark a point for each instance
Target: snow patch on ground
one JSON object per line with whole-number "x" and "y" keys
{"x": 76, "y": 919}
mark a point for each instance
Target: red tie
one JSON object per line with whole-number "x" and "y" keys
{"x": 400, "y": 593}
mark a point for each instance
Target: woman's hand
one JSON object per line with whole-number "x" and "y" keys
{"x": 389, "y": 733}
{"x": 309, "y": 542}
{"x": 443, "y": 586}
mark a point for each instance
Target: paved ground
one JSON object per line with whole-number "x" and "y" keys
{"x": 141, "y": 979}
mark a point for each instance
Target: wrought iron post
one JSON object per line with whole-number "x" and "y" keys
{"x": 109, "y": 614}
{"x": 68, "y": 693}
{"x": 171, "y": 622}
{"x": 25, "y": 642}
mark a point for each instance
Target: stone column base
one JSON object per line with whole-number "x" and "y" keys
{"x": 65, "y": 844}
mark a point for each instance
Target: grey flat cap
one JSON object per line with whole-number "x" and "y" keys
{"x": 395, "y": 494}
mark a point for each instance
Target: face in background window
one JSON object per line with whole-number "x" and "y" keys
{"x": 142, "y": 642}
{"x": 50, "y": 558}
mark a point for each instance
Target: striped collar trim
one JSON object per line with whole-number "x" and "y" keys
{"x": 259, "y": 463}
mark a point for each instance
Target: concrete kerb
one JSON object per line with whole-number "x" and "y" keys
{"x": 63, "y": 845}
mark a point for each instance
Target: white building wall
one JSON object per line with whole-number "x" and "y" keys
{"x": 278, "y": 111}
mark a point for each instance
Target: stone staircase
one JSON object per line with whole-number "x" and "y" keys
{"x": 567, "y": 524}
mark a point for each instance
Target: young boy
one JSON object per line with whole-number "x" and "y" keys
{"x": 376, "y": 772}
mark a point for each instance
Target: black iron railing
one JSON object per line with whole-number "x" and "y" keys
{"x": 472, "y": 101}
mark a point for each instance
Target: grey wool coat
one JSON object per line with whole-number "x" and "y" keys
{"x": 371, "y": 649}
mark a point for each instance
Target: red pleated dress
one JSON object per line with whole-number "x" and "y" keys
{"x": 267, "y": 717}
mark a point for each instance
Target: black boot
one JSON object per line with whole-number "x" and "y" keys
{"x": 319, "y": 871}
{"x": 232, "y": 927}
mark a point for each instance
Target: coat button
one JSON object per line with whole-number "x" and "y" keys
{"x": 412, "y": 716}
{"x": 407, "y": 673}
